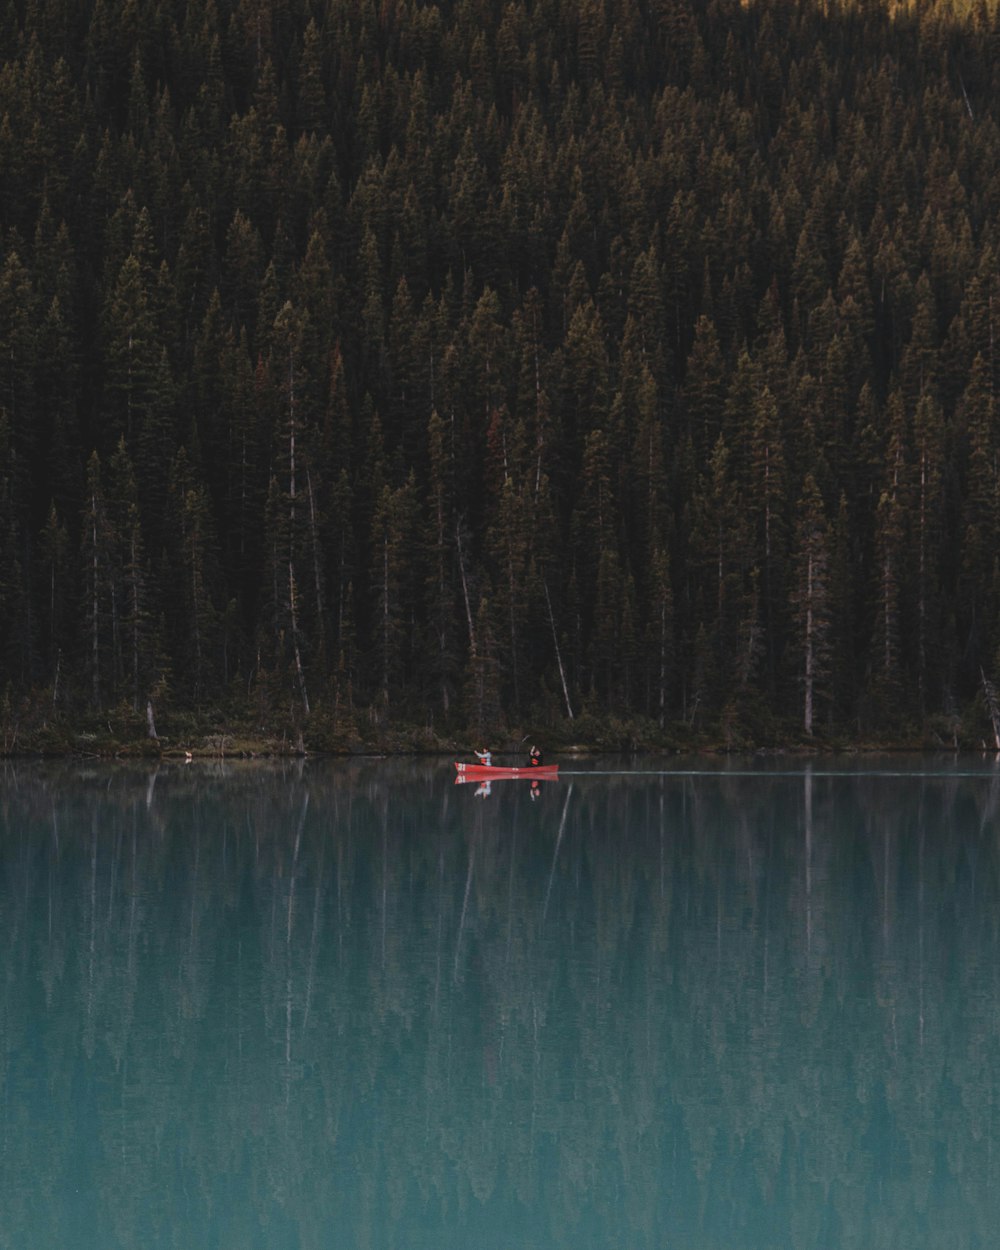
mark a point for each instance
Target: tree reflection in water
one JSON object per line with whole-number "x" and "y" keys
{"x": 344, "y": 1003}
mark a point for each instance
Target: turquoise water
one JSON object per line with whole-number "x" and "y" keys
{"x": 356, "y": 1005}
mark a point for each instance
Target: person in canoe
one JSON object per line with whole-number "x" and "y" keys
{"x": 485, "y": 756}
{"x": 535, "y": 757}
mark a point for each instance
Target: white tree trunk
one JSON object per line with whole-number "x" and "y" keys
{"x": 555, "y": 643}
{"x": 810, "y": 649}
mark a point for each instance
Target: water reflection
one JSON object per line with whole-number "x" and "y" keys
{"x": 315, "y": 1004}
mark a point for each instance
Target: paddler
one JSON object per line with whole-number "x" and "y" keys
{"x": 535, "y": 757}
{"x": 485, "y": 756}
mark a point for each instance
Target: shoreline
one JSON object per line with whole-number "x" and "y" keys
{"x": 187, "y": 738}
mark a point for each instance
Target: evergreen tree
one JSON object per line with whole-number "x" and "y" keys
{"x": 725, "y": 606}
{"x": 766, "y": 493}
{"x": 393, "y": 578}
{"x": 18, "y": 355}
{"x": 978, "y": 584}
{"x": 928, "y": 537}
{"x": 440, "y": 579}
{"x": 291, "y": 501}
{"x": 95, "y": 562}
{"x": 131, "y": 351}
{"x": 194, "y": 609}
{"x": 136, "y": 645}
{"x": 57, "y": 608}
{"x": 812, "y": 600}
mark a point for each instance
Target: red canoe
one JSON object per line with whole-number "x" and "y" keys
{"x": 496, "y": 772}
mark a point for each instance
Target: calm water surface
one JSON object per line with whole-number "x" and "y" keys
{"x": 356, "y": 1005}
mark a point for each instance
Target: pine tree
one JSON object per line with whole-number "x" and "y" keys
{"x": 704, "y": 386}
{"x": 135, "y": 642}
{"x": 242, "y": 270}
{"x": 95, "y": 561}
{"x": 766, "y": 492}
{"x": 811, "y": 598}
{"x": 928, "y": 535}
{"x": 57, "y": 397}
{"x": 393, "y": 578}
{"x": 132, "y": 352}
{"x": 482, "y": 681}
{"x": 196, "y": 616}
{"x": 292, "y": 493}
{"x": 660, "y": 642}
{"x": 720, "y": 565}
{"x": 312, "y": 107}
{"x": 890, "y": 571}
{"x": 440, "y": 578}
{"x": 978, "y": 576}
{"x": 57, "y": 608}
{"x": 507, "y": 542}
{"x": 18, "y": 368}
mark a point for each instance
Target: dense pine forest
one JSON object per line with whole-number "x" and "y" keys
{"x": 621, "y": 369}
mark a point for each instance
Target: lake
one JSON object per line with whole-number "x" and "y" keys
{"x": 353, "y": 1004}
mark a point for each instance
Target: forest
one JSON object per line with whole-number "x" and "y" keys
{"x": 391, "y": 373}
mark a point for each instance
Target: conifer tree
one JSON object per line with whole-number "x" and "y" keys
{"x": 440, "y": 587}
{"x": 704, "y": 386}
{"x": 18, "y": 366}
{"x": 766, "y": 492}
{"x": 720, "y": 564}
{"x": 132, "y": 351}
{"x": 482, "y": 681}
{"x": 292, "y": 495}
{"x": 58, "y": 412}
{"x": 978, "y": 587}
{"x": 135, "y": 644}
{"x": 811, "y": 598}
{"x": 928, "y": 537}
{"x": 393, "y": 578}
{"x": 95, "y": 561}
{"x": 196, "y": 616}
{"x": 56, "y": 603}
{"x": 660, "y": 640}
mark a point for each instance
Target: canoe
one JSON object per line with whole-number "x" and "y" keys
{"x": 497, "y": 772}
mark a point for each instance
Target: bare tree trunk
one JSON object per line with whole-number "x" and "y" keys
{"x": 810, "y": 665}
{"x": 292, "y": 605}
{"x": 386, "y": 619}
{"x": 465, "y": 590}
{"x": 887, "y": 611}
{"x": 293, "y": 614}
{"x": 555, "y": 643}
{"x": 135, "y": 626}
{"x": 922, "y": 588}
{"x": 317, "y": 579}
{"x": 117, "y": 664}
{"x": 442, "y": 589}
{"x": 992, "y": 706}
{"x": 663, "y": 664}
{"x": 95, "y": 632}
{"x": 196, "y": 617}
{"x": 511, "y": 591}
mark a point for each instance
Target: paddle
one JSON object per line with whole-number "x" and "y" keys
{"x": 511, "y": 750}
